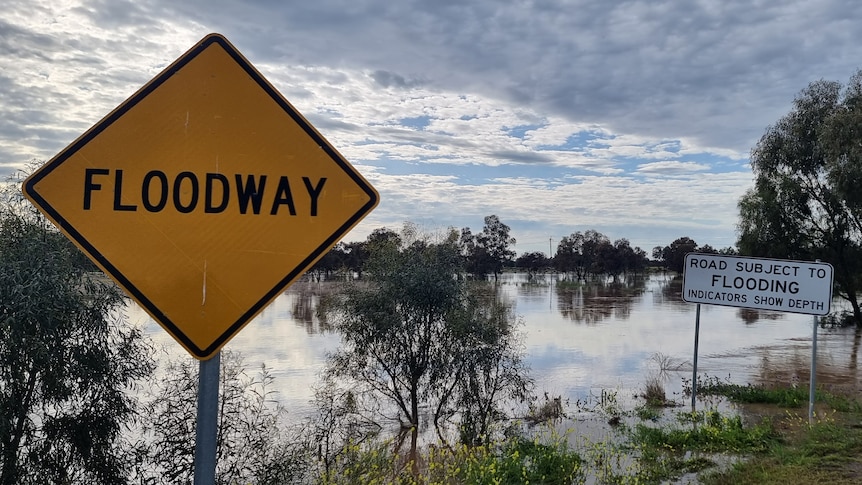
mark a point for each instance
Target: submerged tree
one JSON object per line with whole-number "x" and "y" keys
{"x": 673, "y": 255}
{"x": 532, "y": 262}
{"x": 416, "y": 337}
{"x": 591, "y": 254}
{"x": 490, "y": 369}
{"x": 488, "y": 251}
{"x": 806, "y": 203}
{"x": 67, "y": 359}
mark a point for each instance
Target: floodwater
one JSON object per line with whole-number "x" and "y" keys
{"x": 579, "y": 343}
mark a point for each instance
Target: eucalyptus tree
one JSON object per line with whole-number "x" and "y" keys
{"x": 68, "y": 360}
{"x": 619, "y": 258}
{"x": 490, "y": 370}
{"x": 533, "y": 262}
{"x": 673, "y": 255}
{"x": 569, "y": 255}
{"x": 488, "y": 251}
{"x": 806, "y": 203}
{"x": 415, "y": 337}
{"x": 633, "y": 260}
{"x": 585, "y": 254}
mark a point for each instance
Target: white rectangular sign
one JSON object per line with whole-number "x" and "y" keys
{"x": 761, "y": 284}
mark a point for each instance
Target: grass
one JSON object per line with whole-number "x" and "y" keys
{"x": 549, "y": 410}
{"x": 654, "y": 393}
{"x": 788, "y": 397}
{"x": 709, "y": 446}
{"x": 708, "y": 431}
{"x": 785, "y": 449}
{"x": 827, "y": 450}
{"x": 516, "y": 460}
{"x": 824, "y": 452}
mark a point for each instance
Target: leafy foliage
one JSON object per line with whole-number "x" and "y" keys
{"x": 67, "y": 359}
{"x": 710, "y": 431}
{"x": 250, "y": 448}
{"x": 532, "y": 262}
{"x": 515, "y": 460}
{"x": 806, "y": 202}
{"x": 591, "y": 254}
{"x": 487, "y": 252}
{"x": 342, "y": 425}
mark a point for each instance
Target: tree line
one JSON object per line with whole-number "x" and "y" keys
{"x": 580, "y": 255}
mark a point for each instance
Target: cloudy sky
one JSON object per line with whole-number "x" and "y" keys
{"x": 634, "y": 118}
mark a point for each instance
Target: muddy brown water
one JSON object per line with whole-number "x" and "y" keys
{"x": 580, "y": 342}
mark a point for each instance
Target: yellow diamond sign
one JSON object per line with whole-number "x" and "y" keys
{"x": 204, "y": 195}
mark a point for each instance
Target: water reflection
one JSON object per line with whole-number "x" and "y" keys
{"x": 305, "y": 299}
{"x": 750, "y": 316}
{"x": 669, "y": 291}
{"x": 788, "y": 362}
{"x": 598, "y": 301}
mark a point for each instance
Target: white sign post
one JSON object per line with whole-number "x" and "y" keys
{"x": 758, "y": 284}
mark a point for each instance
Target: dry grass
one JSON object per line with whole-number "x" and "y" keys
{"x": 666, "y": 363}
{"x": 654, "y": 393}
{"x": 551, "y": 409}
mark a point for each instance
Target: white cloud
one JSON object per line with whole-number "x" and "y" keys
{"x": 602, "y": 91}
{"x": 671, "y": 167}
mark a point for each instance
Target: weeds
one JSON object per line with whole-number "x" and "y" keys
{"x": 666, "y": 363}
{"x": 648, "y": 413}
{"x": 714, "y": 432}
{"x": 605, "y": 403}
{"x": 549, "y": 410}
{"x": 521, "y": 461}
{"x": 516, "y": 460}
{"x": 654, "y": 393}
{"x": 824, "y": 452}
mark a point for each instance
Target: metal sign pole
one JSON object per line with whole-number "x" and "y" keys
{"x": 813, "y": 378}
{"x": 206, "y": 429}
{"x": 694, "y": 366}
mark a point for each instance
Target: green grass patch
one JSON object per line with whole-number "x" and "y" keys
{"x": 708, "y": 431}
{"x": 516, "y": 460}
{"x": 825, "y": 452}
{"x": 519, "y": 461}
{"x": 648, "y": 413}
{"x": 790, "y": 397}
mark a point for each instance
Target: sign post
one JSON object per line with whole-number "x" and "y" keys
{"x": 759, "y": 284}
{"x": 694, "y": 361}
{"x": 206, "y": 430}
{"x": 204, "y": 195}
{"x": 813, "y": 380}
